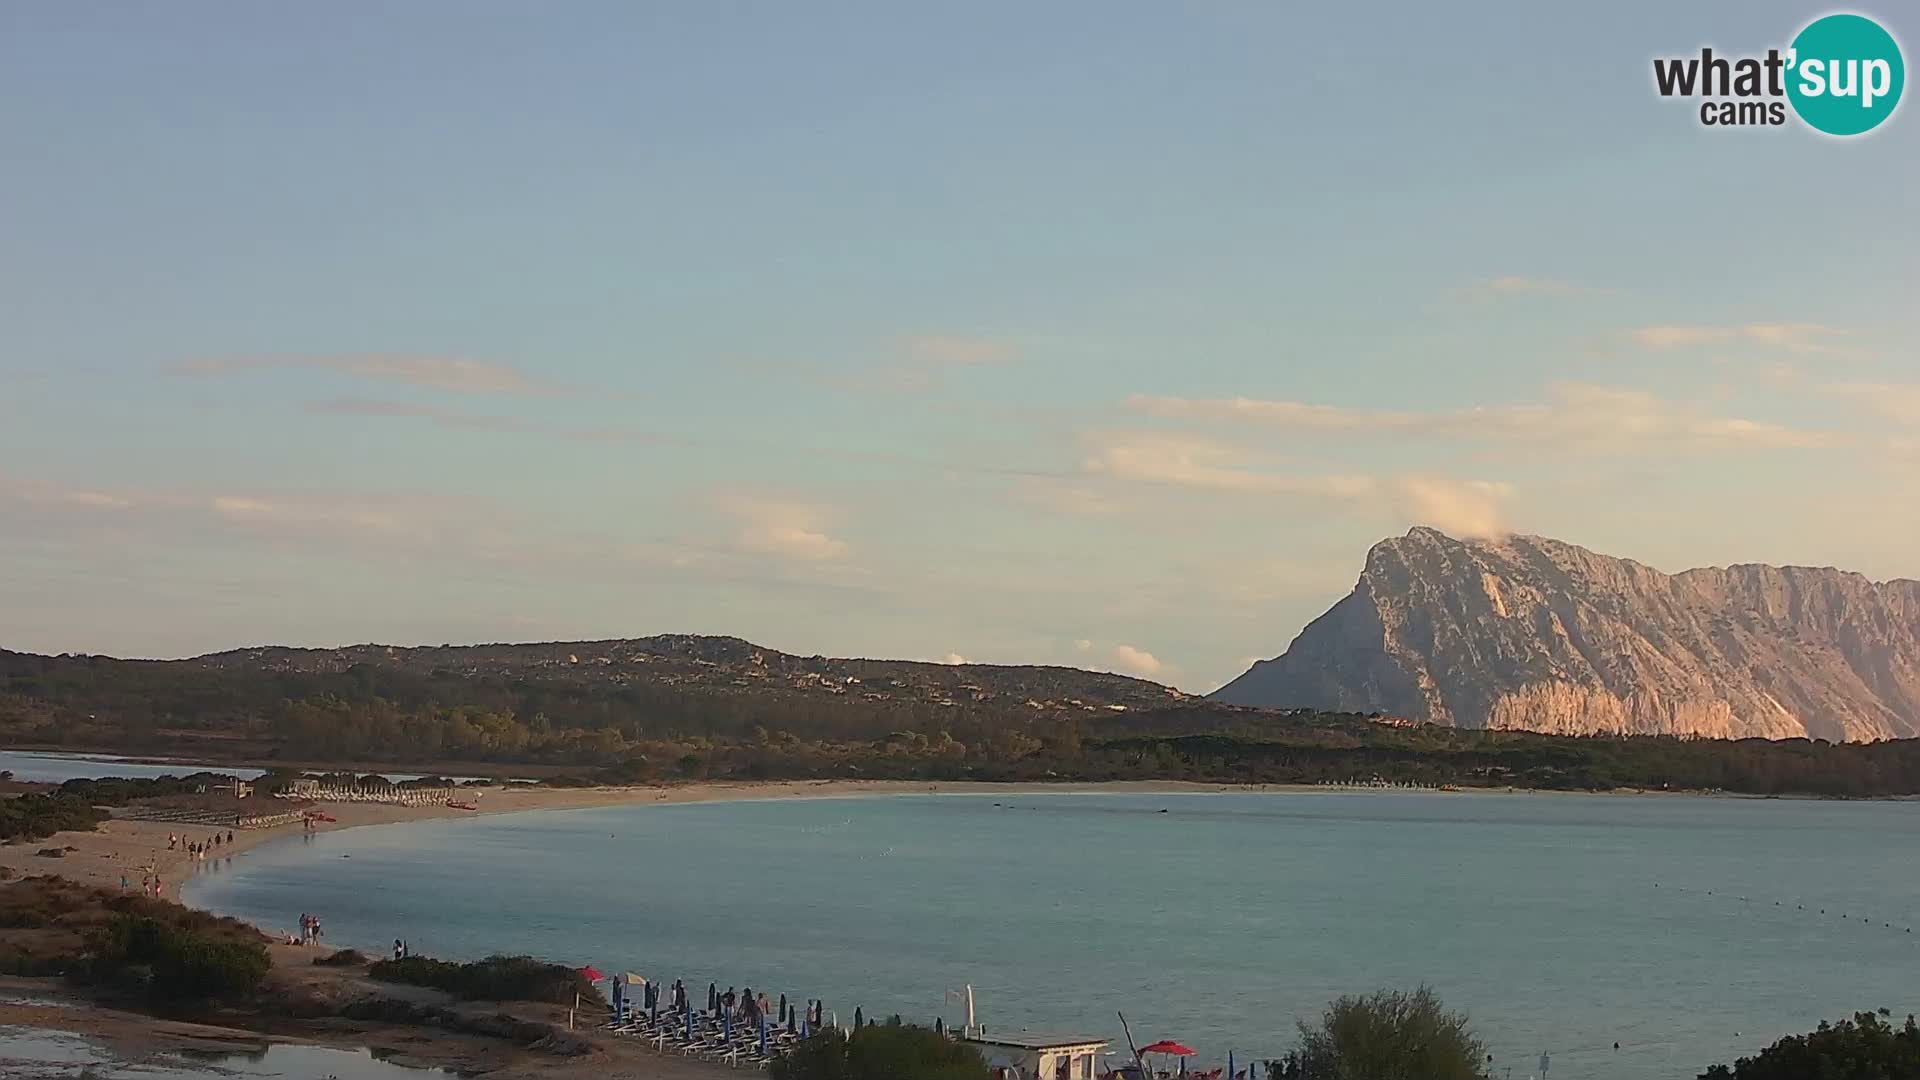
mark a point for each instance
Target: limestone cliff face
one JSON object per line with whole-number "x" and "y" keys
{"x": 1527, "y": 632}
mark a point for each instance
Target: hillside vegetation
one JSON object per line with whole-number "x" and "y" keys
{"x": 673, "y": 709}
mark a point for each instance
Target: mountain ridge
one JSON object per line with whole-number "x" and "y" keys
{"x": 1536, "y": 633}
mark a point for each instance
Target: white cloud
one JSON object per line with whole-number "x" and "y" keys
{"x": 1132, "y": 661}
{"x": 782, "y": 527}
{"x": 1581, "y": 415}
{"x": 1470, "y": 508}
{"x": 954, "y": 659}
{"x": 432, "y": 372}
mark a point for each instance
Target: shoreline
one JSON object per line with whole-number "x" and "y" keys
{"x": 122, "y": 846}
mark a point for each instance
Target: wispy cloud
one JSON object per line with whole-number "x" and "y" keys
{"x": 1062, "y": 496}
{"x": 1462, "y": 507}
{"x": 1577, "y": 415}
{"x": 1808, "y": 338}
{"x": 1522, "y": 284}
{"x": 781, "y": 527}
{"x": 1195, "y": 462}
{"x": 961, "y": 351}
{"x": 431, "y": 372}
{"x": 927, "y": 360}
{"x": 1895, "y": 401}
{"x": 443, "y": 417}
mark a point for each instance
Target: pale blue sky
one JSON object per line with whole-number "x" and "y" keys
{"x": 911, "y": 329}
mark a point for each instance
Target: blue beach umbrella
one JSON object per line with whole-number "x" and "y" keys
{"x": 763, "y": 1036}
{"x": 726, "y": 1024}
{"x": 1229, "y": 1065}
{"x": 689, "y": 1019}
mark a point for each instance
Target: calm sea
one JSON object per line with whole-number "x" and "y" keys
{"x": 1688, "y": 930}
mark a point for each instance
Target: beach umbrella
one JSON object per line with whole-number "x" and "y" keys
{"x": 793, "y": 1016}
{"x": 1229, "y": 1065}
{"x": 592, "y": 973}
{"x": 689, "y": 1021}
{"x": 713, "y": 996}
{"x": 783, "y": 1008}
{"x": 656, "y": 1008}
{"x": 859, "y": 1018}
{"x": 726, "y": 1023}
{"x": 1168, "y": 1046}
{"x": 763, "y": 1035}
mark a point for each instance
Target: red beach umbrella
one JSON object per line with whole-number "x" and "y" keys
{"x": 1168, "y": 1046}
{"x": 592, "y": 973}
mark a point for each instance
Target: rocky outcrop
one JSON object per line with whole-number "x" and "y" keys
{"x": 1528, "y": 632}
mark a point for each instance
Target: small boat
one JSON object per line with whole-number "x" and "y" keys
{"x": 463, "y": 805}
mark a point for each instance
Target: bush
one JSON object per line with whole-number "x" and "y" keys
{"x": 343, "y": 958}
{"x": 1387, "y": 1035}
{"x": 1867, "y": 1047}
{"x": 893, "y": 1052}
{"x": 175, "y": 962}
{"x": 497, "y": 978}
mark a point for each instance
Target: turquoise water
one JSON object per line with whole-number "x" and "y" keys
{"x": 1687, "y": 930}
{"x": 45, "y": 767}
{"x": 36, "y": 767}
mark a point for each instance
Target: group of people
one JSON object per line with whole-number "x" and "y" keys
{"x": 745, "y": 1006}
{"x": 198, "y": 849}
{"x": 309, "y": 930}
{"x": 149, "y": 883}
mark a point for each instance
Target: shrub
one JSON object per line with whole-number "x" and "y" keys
{"x": 1387, "y": 1035}
{"x": 343, "y": 958}
{"x": 1867, "y": 1047}
{"x": 881, "y": 1053}
{"x": 497, "y": 978}
{"x": 175, "y": 962}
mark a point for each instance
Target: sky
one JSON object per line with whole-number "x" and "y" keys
{"x": 1094, "y": 333}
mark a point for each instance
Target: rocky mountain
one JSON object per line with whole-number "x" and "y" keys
{"x": 1532, "y": 633}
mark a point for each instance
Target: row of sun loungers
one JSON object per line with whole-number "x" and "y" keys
{"x": 668, "y": 1035}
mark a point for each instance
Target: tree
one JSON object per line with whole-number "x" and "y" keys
{"x": 889, "y": 1052}
{"x": 1867, "y": 1047}
{"x": 1386, "y": 1035}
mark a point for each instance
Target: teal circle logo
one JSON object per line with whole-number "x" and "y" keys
{"x": 1845, "y": 74}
